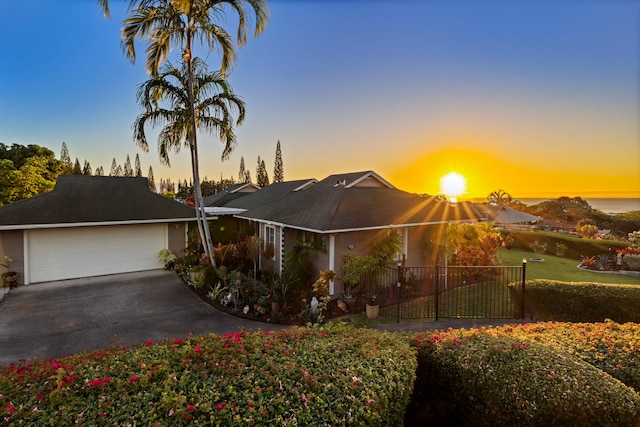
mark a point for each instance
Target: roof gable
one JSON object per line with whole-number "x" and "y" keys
{"x": 88, "y": 199}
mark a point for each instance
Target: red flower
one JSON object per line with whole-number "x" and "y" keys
{"x": 133, "y": 379}
{"x": 220, "y": 406}
{"x": 190, "y": 408}
{"x": 198, "y": 349}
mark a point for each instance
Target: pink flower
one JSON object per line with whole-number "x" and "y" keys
{"x": 96, "y": 383}
{"x": 198, "y": 349}
{"x": 190, "y": 408}
{"x": 148, "y": 342}
{"x": 133, "y": 379}
{"x": 220, "y": 406}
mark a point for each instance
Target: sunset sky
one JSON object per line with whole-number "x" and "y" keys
{"x": 538, "y": 98}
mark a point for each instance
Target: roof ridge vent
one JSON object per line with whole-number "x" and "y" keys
{"x": 340, "y": 182}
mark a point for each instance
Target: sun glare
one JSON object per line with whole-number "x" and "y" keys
{"x": 453, "y": 185}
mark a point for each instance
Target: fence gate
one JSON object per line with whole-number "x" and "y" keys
{"x": 452, "y": 292}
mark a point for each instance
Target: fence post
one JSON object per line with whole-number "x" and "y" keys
{"x": 524, "y": 278}
{"x": 436, "y": 283}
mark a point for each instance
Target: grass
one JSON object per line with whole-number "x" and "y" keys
{"x": 562, "y": 269}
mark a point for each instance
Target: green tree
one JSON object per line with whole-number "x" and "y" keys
{"x": 152, "y": 182}
{"x": 31, "y": 180}
{"x": 165, "y": 101}
{"x": 128, "y": 169}
{"x": 86, "y": 170}
{"x": 99, "y": 171}
{"x": 114, "y": 168}
{"x": 265, "y": 175}
{"x": 8, "y": 179}
{"x": 242, "y": 174}
{"x": 138, "y": 169}
{"x": 77, "y": 169}
{"x": 278, "y": 167}
{"x": 178, "y": 23}
{"x": 65, "y": 159}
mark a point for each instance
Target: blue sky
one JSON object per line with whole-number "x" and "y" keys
{"x": 533, "y": 97}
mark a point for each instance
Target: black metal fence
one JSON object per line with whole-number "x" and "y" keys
{"x": 452, "y": 292}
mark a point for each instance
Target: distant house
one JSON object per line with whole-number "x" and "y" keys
{"x": 90, "y": 226}
{"x": 507, "y": 217}
{"x": 343, "y": 214}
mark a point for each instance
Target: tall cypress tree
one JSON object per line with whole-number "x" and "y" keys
{"x": 114, "y": 168}
{"x": 128, "y": 170}
{"x": 242, "y": 174}
{"x": 152, "y": 182}
{"x": 86, "y": 170}
{"x": 67, "y": 164}
{"x": 77, "y": 169}
{"x": 278, "y": 167}
{"x": 138, "y": 171}
{"x": 264, "y": 176}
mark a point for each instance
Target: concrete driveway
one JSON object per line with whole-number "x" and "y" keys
{"x": 54, "y": 319}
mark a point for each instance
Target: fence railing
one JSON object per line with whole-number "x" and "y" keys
{"x": 477, "y": 292}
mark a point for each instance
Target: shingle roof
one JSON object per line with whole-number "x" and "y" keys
{"x": 229, "y": 194}
{"x": 87, "y": 199}
{"x": 334, "y": 205}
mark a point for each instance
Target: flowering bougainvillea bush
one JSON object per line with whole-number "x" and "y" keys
{"x": 334, "y": 375}
{"x": 579, "y": 301}
{"x": 533, "y": 375}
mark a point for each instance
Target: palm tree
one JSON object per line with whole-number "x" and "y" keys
{"x": 165, "y": 100}
{"x": 104, "y": 5}
{"x": 168, "y": 23}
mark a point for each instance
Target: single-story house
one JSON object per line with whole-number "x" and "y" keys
{"x": 507, "y": 217}
{"x": 343, "y": 214}
{"x": 90, "y": 226}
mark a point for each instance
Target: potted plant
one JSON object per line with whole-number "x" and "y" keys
{"x": 373, "y": 308}
{"x": 560, "y": 249}
{"x": 9, "y": 278}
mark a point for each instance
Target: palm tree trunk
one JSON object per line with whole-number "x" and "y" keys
{"x": 193, "y": 144}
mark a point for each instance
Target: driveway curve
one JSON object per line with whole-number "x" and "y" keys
{"x": 55, "y": 319}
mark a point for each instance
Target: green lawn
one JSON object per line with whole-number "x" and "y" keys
{"x": 562, "y": 269}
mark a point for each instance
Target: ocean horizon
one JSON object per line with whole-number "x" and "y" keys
{"x": 609, "y": 205}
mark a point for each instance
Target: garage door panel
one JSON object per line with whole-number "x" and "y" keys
{"x": 65, "y": 253}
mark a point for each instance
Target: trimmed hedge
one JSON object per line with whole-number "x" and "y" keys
{"x": 576, "y": 247}
{"x": 480, "y": 378}
{"x": 578, "y": 301}
{"x": 327, "y": 376}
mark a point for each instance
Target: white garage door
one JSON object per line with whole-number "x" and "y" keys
{"x": 67, "y": 253}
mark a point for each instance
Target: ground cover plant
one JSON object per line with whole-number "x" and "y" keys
{"x": 334, "y": 375}
{"x": 534, "y": 375}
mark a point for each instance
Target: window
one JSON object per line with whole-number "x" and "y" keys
{"x": 270, "y": 241}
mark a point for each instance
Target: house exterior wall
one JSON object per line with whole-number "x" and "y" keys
{"x": 177, "y": 237}
{"x": 12, "y": 245}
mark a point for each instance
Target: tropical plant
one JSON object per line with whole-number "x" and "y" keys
{"x": 166, "y": 257}
{"x": 589, "y": 262}
{"x": 538, "y": 248}
{"x": 213, "y": 107}
{"x": 560, "y": 249}
{"x": 181, "y": 23}
{"x": 500, "y": 197}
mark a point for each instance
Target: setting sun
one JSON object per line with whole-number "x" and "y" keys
{"x": 452, "y": 185}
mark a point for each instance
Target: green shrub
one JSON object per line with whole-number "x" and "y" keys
{"x": 578, "y": 301}
{"x": 479, "y": 378}
{"x": 334, "y": 375}
{"x": 609, "y": 346}
{"x": 575, "y": 245}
